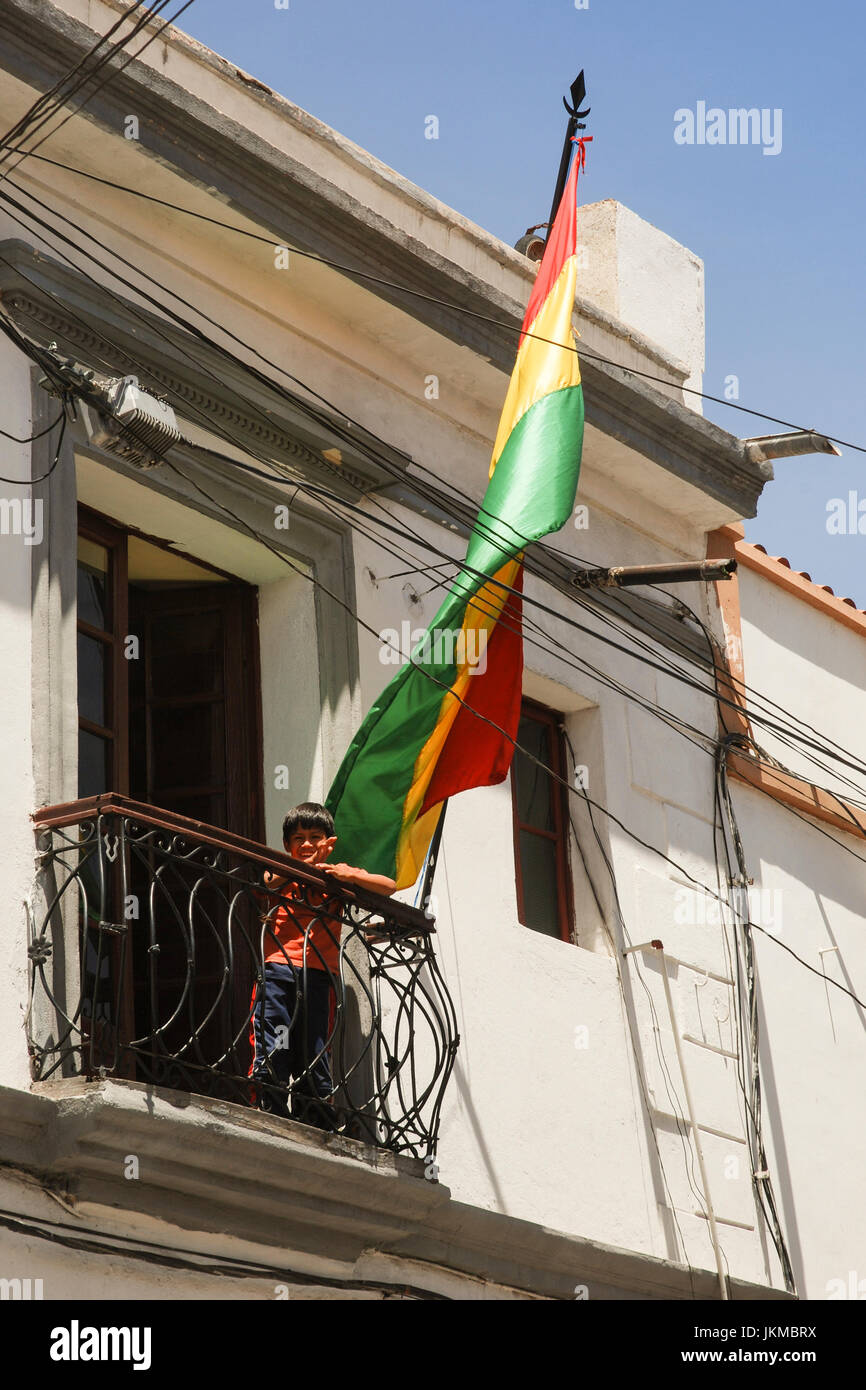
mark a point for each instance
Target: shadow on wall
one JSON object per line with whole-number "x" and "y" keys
{"x": 828, "y": 875}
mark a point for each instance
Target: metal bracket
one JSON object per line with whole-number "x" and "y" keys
{"x": 116, "y": 928}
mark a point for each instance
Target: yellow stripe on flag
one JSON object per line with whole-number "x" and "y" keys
{"x": 540, "y": 367}
{"x": 481, "y": 616}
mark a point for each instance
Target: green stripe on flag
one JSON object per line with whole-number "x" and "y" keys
{"x": 530, "y": 494}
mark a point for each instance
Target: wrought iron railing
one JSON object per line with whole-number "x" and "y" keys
{"x": 174, "y": 953}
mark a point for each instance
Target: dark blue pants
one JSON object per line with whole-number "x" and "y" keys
{"x": 290, "y": 1028}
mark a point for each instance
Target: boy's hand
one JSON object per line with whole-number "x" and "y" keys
{"x": 344, "y": 872}
{"x": 376, "y": 883}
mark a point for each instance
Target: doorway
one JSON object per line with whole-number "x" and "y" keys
{"x": 170, "y": 716}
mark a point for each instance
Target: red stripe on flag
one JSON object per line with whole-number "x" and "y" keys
{"x": 561, "y": 243}
{"x": 474, "y": 754}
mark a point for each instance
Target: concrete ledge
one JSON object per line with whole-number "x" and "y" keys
{"x": 214, "y": 1167}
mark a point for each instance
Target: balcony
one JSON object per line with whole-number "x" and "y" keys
{"x": 147, "y": 959}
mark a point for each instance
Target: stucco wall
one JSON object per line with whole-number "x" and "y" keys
{"x": 567, "y": 1106}
{"x": 811, "y": 881}
{"x": 810, "y": 666}
{"x": 16, "y": 692}
{"x": 291, "y": 752}
{"x": 812, "y": 1037}
{"x": 546, "y": 1118}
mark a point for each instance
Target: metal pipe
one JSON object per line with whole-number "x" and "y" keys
{"x": 764, "y": 447}
{"x": 627, "y": 576}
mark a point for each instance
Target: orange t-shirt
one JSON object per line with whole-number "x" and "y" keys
{"x": 303, "y": 927}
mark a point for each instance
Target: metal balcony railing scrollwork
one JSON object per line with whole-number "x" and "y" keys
{"x": 152, "y": 956}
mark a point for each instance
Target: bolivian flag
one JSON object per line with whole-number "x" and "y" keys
{"x": 423, "y": 740}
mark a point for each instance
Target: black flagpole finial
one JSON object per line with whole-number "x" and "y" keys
{"x": 578, "y": 92}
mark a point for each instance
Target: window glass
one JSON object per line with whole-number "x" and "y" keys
{"x": 540, "y": 894}
{"x": 533, "y": 783}
{"x": 94, "y": 763}
{"x": 540, "y": 825}
{"x": 93, "y": 662}
{"x": 94, "y": 605}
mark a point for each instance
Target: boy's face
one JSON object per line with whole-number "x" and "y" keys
{"x": 312, "y": 846}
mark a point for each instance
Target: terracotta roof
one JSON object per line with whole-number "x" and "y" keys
{"x": 783, "y": 560}
{"x": 777, "y": 569}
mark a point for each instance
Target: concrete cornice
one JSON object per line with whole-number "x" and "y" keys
{"x": 251, "y": 93}
{"x": 210, "y": 1166}
{"x": 53, "y": 302}
{"x": 281, "y": 192}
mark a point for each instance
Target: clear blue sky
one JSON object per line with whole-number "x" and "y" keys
{"x": 781, "y": 236}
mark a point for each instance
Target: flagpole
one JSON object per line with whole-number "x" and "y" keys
{"x": 575, "y": 123}
{"x": 578, "y": 92}
{"x": 432, "y": 857}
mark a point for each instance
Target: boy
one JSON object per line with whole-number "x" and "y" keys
{"x": 290, "y": 1029}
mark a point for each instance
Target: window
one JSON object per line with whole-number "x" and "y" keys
{"x": 544, "y": 891}
{"x": 169, "y": 715}
{"x": 168, "y": 685}
{"x": 102, "y": 685}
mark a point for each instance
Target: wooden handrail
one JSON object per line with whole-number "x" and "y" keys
{"x": 86, "y": 808}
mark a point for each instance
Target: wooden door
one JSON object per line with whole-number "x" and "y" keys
{"x": 193, "y": 705}
{"x": 194, "y": 751}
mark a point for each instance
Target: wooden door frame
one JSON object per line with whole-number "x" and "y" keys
{"x": 97, "y": 528}
{"x": 244, "y": 789}
{"x": 114, "y": 536}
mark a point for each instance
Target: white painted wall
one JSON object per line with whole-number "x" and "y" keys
{"x": 291, "y": 701}
{"x": 17, "y": 687}
{"x": 647, "y": 280}
{"x": 799, "y": 658}
{"x": 813, "y": 1037}
{"x": 811, "y": 879}
{"x": 534, "y": 1125}
{"x": 545, "y": 1121}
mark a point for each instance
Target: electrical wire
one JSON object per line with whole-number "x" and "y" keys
{"x": 746, "y": 991}
{"x": 639, "y": 1069}
{"x": 775, "y": 421}
{"x": 280, "y": 555}
{"x": 21, "y": 125}
{"x": 140, "y": 24}
{"x": 623, "y": 648}
{"x": 193, "y": 306}
{"x": 747, "y": 747}
{"x": 361, "y": 623}
{"x": 29, "y": 439}
{"x": 477, "y": 574}
{"x": 483, "y": 718}
{"x": 357, "y": 273}
{"x": 771, "y": 1218}
{"x": 29, "y": 482}
{"x": 245, "y": 366}
{"x": 603, "y": 808}
{"x": 555, "y": 613}
{"x": 749, "y": 1026}
{"x": 92, "y": 1241}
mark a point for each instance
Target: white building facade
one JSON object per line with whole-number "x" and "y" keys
{"x": 336, "y": 345}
